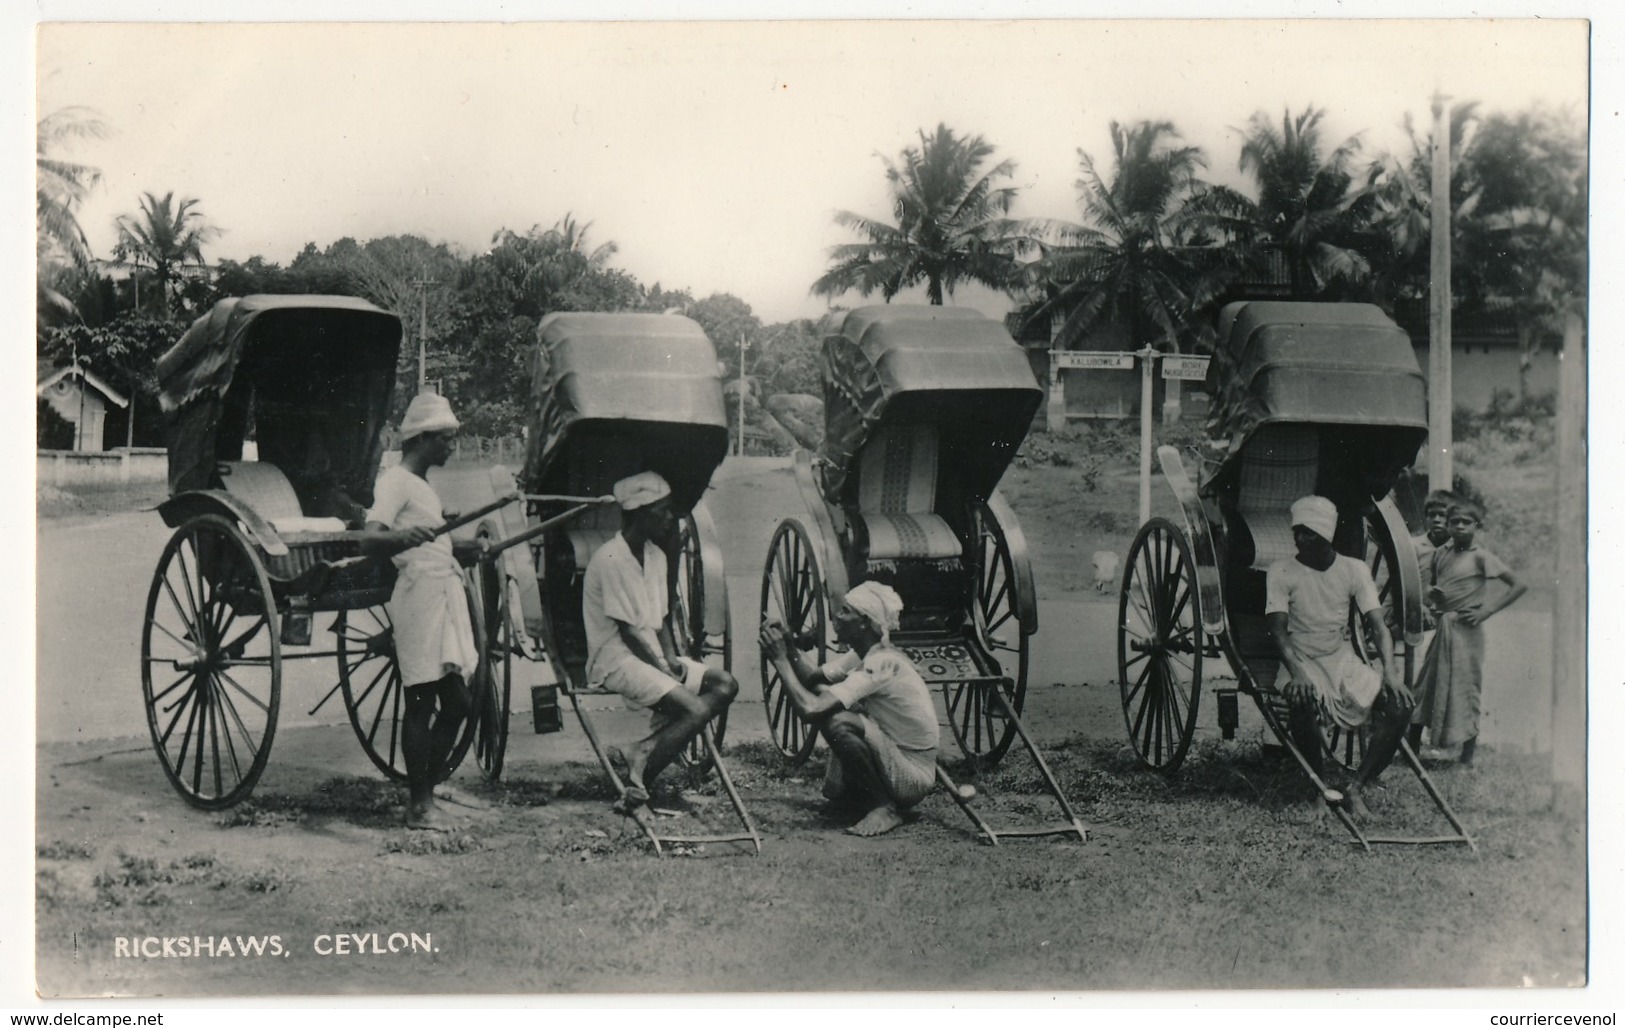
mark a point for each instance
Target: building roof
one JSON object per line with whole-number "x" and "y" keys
{"x": 48, "y": 377}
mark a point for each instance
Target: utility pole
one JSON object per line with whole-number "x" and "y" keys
{"x": 740, "y": 452}
{"x": 1569, "y": 608}
{"x": 1148, "y": 364}
{"x": 423, "y": 285}
{"x": 1441, "y": 405}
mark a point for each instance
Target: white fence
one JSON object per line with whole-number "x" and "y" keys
{"x": 106, "y": 467}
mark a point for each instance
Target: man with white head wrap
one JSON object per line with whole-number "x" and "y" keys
{"x": 872, "y": 707}
{"x": 1307, "y": 605}
{"x": 630, "y": 646}
{"x": 434, "y": 638}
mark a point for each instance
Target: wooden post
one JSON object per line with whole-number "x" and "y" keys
{"x": 1148, "y": 365}
{"x": 1569, "y": 606}
{"x": 1055, "y": 416}
{"x": 1441, "y": 405}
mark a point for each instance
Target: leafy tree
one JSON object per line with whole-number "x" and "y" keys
{"x": 949, "y": 225}
{"x": 1133, "y": 263}
{"x": 787, "y": 359}
{"x": 726, "y": 319}
{"x": 123, "y": 352}
{"x": 1308, "y": 207}
{"x": 62, "y": 255}
{"x": 166, "y": 237}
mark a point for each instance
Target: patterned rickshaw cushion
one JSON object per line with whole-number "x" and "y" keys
{"x": 1278, "y": 468}
{"x": 899, "y": 473}
{"x": 909, "y": 536}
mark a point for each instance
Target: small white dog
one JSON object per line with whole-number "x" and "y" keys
{"x": 1105, "y": 563}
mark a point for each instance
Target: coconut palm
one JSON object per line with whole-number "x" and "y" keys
{"x": 1308, "y": 206}
{"x": 166, "y": 237}
{"x": 949, "y": 225}
{"x": 61, "y": 252}
{"x": 1137, "y": 262}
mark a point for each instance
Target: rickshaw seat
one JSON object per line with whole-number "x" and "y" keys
{"x": 897, "y": 494}
{"x": 267, "y": 492}
{"x": 1280, "y": 466}
{"x": 591, "y": 530}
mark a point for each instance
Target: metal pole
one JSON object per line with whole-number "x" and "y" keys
{"x": 1148, "y": 363}
{"x": 1441, "y": 405}
{"x": 423, "y": 285}
{"x": 740, "y": 452}
{"x": 1569, "y": 606}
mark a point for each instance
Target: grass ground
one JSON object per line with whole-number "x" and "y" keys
{"x": 1219, "y": 877}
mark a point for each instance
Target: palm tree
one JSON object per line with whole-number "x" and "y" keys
{"x": 950, "y": 225}
{"x": 166, "y": 236}
{"x": 1307, "y": 206}
{"x": 1137, "y": 261}
{"x": 60, "y": 250}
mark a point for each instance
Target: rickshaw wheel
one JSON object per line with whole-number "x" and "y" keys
{"x": 979, "y": 723}
{"x": 688, "y": 610}
{"x": 1159, "y": 645}
{"x": 374, "y": 696}
{"x": 793, "y": 594}
{"x": 211, "y": 620}
{"x": 1345, "y": 746}
{"x": 494, "y": 681}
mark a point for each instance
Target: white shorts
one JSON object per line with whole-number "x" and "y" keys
{"x": 644, "y": 685}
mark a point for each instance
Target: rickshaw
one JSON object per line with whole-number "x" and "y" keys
{"x": 261, "y": 546}
{"x": 924, "y": 408}
{"x": 1307, "y": 398}
{"x": 610, "y": 395}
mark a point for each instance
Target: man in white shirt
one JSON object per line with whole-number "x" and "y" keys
{"x": 1307, "y": 604}
{"x": 629, "y": 640}
{"x": 872, "y": 707}
{"x": 434, "y": 637}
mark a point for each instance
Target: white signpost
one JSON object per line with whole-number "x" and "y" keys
{"x": 1174, "y": 368}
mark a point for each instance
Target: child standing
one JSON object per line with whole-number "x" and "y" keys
{"x": 1436, "y": 524}
{"x": 1452, "y": 677}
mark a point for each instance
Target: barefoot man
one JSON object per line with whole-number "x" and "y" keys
{"x": 872, "y": 707}
{"x": 629, "y": 638}
{"x": 434, "y": 637}
{"x": 1307, "y": 604}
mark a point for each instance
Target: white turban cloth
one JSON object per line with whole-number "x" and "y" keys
{"x": 428, "y": 412}
{"x": 640, "y": 490}
{"x": 879, "y": 603}
{"x": 1317, "y": 514}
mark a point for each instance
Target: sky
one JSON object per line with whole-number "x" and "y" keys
{"x": 714, "y": 155}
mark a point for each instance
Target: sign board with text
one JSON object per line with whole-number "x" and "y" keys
{"x": 1185, "y": 369}
{"x": 1079, "y": 359}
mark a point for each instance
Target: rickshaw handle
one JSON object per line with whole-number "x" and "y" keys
{"x": 463, "y": 520}
{"x": 528, "y": 534}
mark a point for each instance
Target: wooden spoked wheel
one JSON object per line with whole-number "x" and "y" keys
{"x": 688, "y": 601}
{"x": 374, "y": 696}
{"x": 793, "y": 595}
{"x": 1159, "y": 645}
{"x": 979, "y": 722}
{"x": 493, "y": 684}
{"x": 211, "y": 663}
{"x": 1347, "y": 746}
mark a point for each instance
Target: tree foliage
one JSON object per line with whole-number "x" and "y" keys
{"x": 950, "y": 224}
{"x": 166, "y": 237}
{"x": 62, "y": 255}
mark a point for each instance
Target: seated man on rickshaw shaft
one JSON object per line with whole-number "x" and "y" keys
{"x": 1307, "y": 607}
{"x": 872, "y": 707}
{"x": 434, "y": 638}
{"x": 629, "y": 637}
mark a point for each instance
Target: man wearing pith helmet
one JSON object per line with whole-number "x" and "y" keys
{"x": 1307, "y": 603}
{"x": 434, "y": 638}
{"x": 630, "y": 647}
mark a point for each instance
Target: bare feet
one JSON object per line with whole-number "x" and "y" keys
{"x": 631, "y": 772}
{"x": 1356, "y": 802}
{"x": 878, "y": 821}
{"x": 428, "y": 818}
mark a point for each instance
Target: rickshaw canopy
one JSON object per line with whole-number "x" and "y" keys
{"x": 312, "y": 376}
{"x": 950, "y": 367}
{"x": 1345, "y": 364}
{"x": 612, "y": 390}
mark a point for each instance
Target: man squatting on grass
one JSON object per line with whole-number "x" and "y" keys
{"x": 872, "y": 707}
{"x": 629, "y": 637}
{"x": 1307, "y": 602}
{"x": 434, "y": 639}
